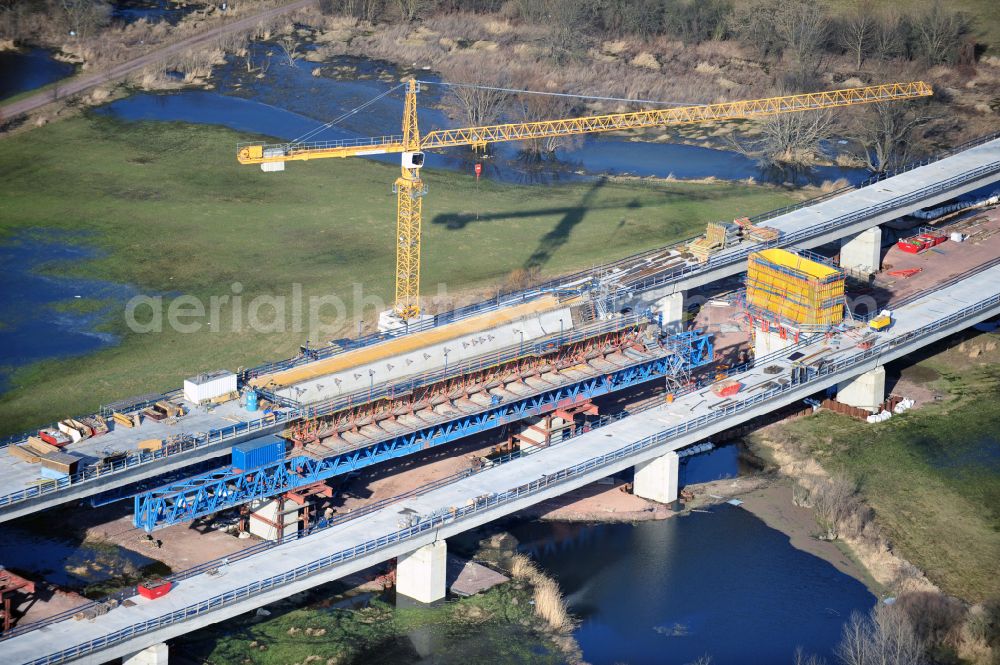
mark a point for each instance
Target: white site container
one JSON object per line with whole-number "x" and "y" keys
{"x": 208, "y": 386}
{"x": 71, "y": 431}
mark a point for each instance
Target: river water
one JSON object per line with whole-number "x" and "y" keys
{"x": 289, "y": 101}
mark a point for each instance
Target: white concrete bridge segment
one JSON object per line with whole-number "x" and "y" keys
{"x": 15, "y": 475}
{"x": 430, "y": 358}
{"x": 978, "y": 157}
{"x": 174, "y": 616}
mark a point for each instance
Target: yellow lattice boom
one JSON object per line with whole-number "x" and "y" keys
{"x": 409, "y": 188}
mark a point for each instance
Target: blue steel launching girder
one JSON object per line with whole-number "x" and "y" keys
{"x": 228, "y": 488}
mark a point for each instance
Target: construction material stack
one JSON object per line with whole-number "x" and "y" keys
{"x": 786, "y": 288}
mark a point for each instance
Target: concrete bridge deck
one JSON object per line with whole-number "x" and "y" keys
{"x": 816, "y": 224}
{"x": 329, "y": 554}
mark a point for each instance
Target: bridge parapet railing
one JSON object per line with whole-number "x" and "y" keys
{"x": 480, "y": 504}
{"x": 510, "y": 297}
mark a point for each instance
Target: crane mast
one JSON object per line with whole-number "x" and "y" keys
{"x": 410, "y": 192}
{"x": 409, "y": 188}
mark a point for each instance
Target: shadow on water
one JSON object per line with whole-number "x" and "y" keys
{"x": 720, "y": 582}
{"x": 154, "y": 11}
{"x": 28, "y": 69}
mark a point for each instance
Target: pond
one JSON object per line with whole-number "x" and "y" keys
{"x": 45, "y": 313}
{"x": 29, "y": 68}
{"x": 154, "y": 11}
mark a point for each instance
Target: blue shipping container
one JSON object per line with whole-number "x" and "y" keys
{"x": 251, "y": 454}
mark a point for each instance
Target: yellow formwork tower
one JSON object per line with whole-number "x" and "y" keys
{"x": 791, "y": 289}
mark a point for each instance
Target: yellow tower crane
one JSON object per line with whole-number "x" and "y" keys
{"x": 410, "y": 189}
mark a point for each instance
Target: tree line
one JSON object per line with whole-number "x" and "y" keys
{"x": 800, "y": 31}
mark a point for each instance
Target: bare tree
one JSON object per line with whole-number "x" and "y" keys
{"x": 481, "y": 101}
{"x": 939, "y": 31}
{"x": 888, "y": 34}
{"x": 83, "y": 17}
{"x": 568, "y": 25}
{"x": 533, "y": 108}
{"x": 883, "y": 133}
{"x": 804, "y": 31}
{"x": 289, "y": 44}
{"x": 884, "y": 636}
{"x": 802, "y": 659}
{"x": 833, "y": 501}
{"x": 794, "y": 28}
{"x": 754, "y": 22}
{"x": 857, "y": 31}
{"x": 408, "y": 9}
{"x": 788, "y": 139}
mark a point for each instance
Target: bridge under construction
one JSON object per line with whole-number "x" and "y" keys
{"x": 533, "y": 370}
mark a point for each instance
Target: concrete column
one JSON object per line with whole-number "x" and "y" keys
{"x": 420, "y": 575}
{"x": 275, "y": 519}
{"x": 154, "y": 655}
{"x": 864, "y": 392}
{"x": 656, "y": 479}
{"x": 672, "y": 309}
{"x": 863, "y": 252}
{"x": 766, "y": 343}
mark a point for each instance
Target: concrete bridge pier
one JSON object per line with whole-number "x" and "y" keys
{"x": 420, "y": 575}
{"x": 863, "y": 252}
{"x": 657, "y": 479}
{"x": 772, "y": 341}
{"x": 157, "y": 654}
{"x": 866, "y": 391}
{"x": 671, "y": 307}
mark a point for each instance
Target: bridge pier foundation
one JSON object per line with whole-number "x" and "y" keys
{"x": 157, "y": 654}
{"x": 657, "y": 479}
{"x": 863, "y": 252}
{"x": 420, "y": 575}
{"x": 671, "y": 307}
{"x": 866, "y": 391}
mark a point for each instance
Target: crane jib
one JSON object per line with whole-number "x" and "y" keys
{"x": 409, "y": 188}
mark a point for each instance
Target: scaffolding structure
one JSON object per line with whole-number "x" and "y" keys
{"x": 791, "y": 290}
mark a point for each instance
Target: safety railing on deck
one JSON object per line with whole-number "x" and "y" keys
{"x": 296, "y": 411}
{"x": 507, "y": 298}
{"x": 488, "y": 502}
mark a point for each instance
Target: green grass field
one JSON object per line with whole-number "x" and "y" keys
{"x": 172, "y": 212}
{"x": 932, "y": 474}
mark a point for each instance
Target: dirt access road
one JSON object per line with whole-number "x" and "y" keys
{"x": 81, "y": 83}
